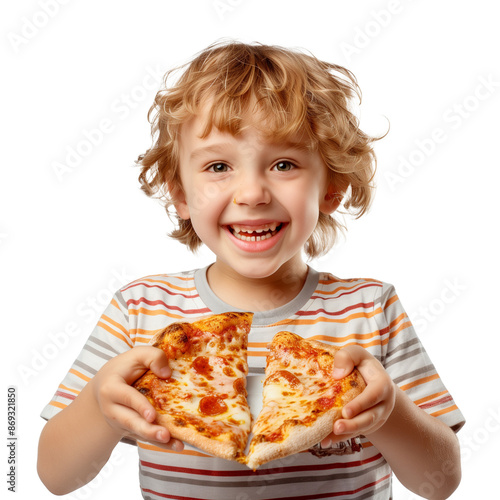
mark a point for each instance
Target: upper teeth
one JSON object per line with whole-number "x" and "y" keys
{"x": 244, "y": 229}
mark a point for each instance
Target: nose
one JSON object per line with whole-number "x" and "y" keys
{"x": 252, "y": 191}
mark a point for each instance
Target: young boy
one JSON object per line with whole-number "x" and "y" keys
{"x": 256, "y": 148}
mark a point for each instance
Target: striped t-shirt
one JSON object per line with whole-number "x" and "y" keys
{"x": 336, "y": 311}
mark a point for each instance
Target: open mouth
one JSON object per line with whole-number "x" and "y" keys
{"x": 246, "y": 233}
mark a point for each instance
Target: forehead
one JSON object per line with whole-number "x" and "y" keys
{"x": 200, "y": 132}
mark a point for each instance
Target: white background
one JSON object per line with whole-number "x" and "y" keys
{"x": 67, "y": 241}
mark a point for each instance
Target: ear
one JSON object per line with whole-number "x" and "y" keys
{"x": 331, "y": 200}
{"x": 179, "y": 200}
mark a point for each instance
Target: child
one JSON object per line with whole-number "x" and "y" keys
{"x": 256, "y": 148}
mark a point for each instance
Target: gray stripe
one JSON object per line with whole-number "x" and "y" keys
{"x": 404, "y": 345}
{"x": 85, "y": 367}
{"x": 100, "y": 343}
{"x": 428, "y": 370}
{"x": 260, "y": 370}
{"x": 403, "y": 356}
{"x": 250, "y": 481}
{"x": 97, "y": 353}
{"x": 121, "y": 300}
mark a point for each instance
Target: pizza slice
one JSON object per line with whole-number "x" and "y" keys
{"x": 204, "y": 402}
{"x": 301, "y": 400}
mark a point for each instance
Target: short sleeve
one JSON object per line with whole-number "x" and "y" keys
{"x": 109, "y": 338}
{"x": 409, "y": 365}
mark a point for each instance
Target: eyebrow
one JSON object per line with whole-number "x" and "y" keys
{"x": 215, "y": 148}
{"x": 218, "y": 148}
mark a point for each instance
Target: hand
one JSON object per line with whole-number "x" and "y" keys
{"x": 125, "y": 409}
{"x": 370, "y": 410}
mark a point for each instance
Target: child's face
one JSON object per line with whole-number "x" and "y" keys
{"x": 253, "y": 202}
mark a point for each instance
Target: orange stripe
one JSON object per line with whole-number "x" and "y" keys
{"x": 163, "y": 450}
{"x": 445, "y": 410}
{"x": 403, "y": 326}
{"x": 155, "y": 312}
{"x": 376, "y": 342}
{"x": 391, "y": 301}
{"x": 115, "y": 303}
{"x": 428, "y": 398}
{"x": 115, "y": 323}
{"x": 80, "y": 375}
{"x": 171, "y": 285}
{"x": 419, "y": 382}
{"x": 329, "y": 338}
{"x": 141, "y": 331}
{"x": 322, "y": 319}
{"x": 338, "y": 289}
{"x": 125, "y": 339}
{"x": 57, "y": 404}
{"x": 61, "y": 386}
{"x": 138, "y": 340}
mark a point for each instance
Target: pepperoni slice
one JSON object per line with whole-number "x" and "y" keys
{"x": 202, "y": 366}
{"x": 239, "y": 385}
{"x": 292, "y": 380}
{"x": 212, "y": 405}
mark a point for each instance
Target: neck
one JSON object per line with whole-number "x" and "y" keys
{"x": 257, "y": 294}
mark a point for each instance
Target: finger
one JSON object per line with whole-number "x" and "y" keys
{"x": 131, "y": 398}
{"x": 143, "y": 358}
{"x": 372, "y": 395}
{"x": 131, "y": 422}
{"x": 346, "y": 359}
{"x": 361, "y": 424}
{"x": 159, "y": 366}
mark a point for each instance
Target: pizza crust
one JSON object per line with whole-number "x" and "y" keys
{"x": 218, "y": 447}
{"x": 298, "y": 438}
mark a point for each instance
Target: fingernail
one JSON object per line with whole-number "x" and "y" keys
{"x": 164, "y": 372}
{"x": 160, "y": 436}
{"x": 177, "y": 446}
{"x": 326, "y": 444}
{"x": 338, "y": 373}
{"x": 340, "y": 429}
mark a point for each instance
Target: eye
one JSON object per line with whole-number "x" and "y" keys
{"x": 283, "y": 166}
{"x": 218, "y": 167}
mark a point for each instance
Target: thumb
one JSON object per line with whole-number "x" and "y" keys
{"x": 345, "y": 360}
{"x": 159, "y": 365}
{"x": 143, "y": 358}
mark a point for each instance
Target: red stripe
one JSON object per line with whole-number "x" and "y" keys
{"x": 339, "y": 493}
{"x": 135, "y": 302}
{"x": 337, "y": 313}
{"x": 302, "y": 497}
{"x": 444, "y": 399}
{"x": 260, "y": 472}
{"x": 161, "y": 288}
{"x": 65, "y": 395}
{"x": 322, "y": 297}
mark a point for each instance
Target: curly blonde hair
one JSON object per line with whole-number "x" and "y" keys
{"x": 295, "y": 91}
